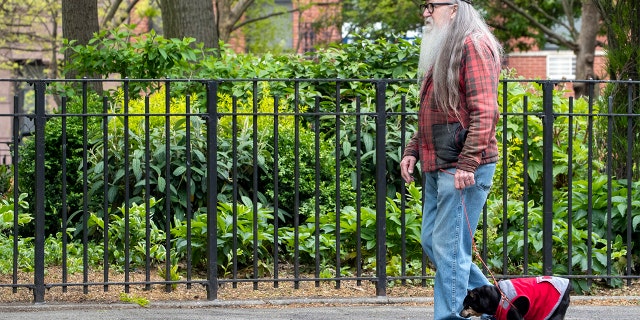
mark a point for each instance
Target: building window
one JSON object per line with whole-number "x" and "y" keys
{"x": 561, "y": 66}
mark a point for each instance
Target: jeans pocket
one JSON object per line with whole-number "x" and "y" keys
{"x": 484, "y": 187}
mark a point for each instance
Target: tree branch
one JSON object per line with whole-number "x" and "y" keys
{"x": 239, "y": 8}
{"x": 567, "y": 5}
{"x": 111, "y": 12}
{"x": 114, "y": 9}
{"x": 273, "y": 14}
{"x": 559, "y": 39}
{"x": 23, "y": 49}
{"x": 548, "y": 16}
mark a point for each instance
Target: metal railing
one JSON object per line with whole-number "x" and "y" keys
{"x": 297, "y": 171}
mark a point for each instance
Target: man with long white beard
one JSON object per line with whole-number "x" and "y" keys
{"x": 459, "y": 69}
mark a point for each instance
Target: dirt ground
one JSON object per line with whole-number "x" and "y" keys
{"x": 243, "y": 291}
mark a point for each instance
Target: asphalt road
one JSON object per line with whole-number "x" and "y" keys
{"x": 283, "y": 310}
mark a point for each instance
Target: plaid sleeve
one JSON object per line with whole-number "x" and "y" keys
{"x": 480, "y": 76}
{"x": 411, "y": 149}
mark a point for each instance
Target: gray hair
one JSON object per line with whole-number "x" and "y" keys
{"x": 446, "y": 70}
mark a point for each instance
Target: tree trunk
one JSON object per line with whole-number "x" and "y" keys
{"x": 229, "y": 13}
{"x": 79, "y": 22}
{"x": 193, "y": 18}
{"x": 585, "y": 55}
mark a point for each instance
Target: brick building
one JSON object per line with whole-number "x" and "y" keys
{"x": 314, "y": 26}
{"x": 551, "y": 64}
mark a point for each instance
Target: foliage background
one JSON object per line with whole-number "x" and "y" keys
{"x": 266, "y": 226}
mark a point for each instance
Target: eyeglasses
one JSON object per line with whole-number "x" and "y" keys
{"x": 432, "y": 6}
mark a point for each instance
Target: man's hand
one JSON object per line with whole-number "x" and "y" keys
{"x": 406, "y": 168}
{"x": 463, "y": 179}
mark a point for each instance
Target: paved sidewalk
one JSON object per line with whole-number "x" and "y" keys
{"x": 291, "y": 309}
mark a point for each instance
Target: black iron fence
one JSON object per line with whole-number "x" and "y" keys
{"x": 302, "y": 175}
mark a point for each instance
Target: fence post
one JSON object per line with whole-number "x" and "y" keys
{"x": 212, "y": 190}
{"x": 40, "y": 120}
{"x": 16, "y": 188}
{"x": 547, "y": 182}
{"x": 381, "y": 189}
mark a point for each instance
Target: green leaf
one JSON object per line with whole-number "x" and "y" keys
{"x": 98, "y": 167}
{"x": 636, "y": 221}
{"x": 346, "y": 148}
{"x": 137, "y": 169}
{"x": 179, "y": 171}
{"x": 161, "y": 184}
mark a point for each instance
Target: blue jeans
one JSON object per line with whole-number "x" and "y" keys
{"x": 446, "y": 235}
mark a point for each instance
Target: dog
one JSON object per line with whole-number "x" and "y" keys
{"x": 538, "y": 298}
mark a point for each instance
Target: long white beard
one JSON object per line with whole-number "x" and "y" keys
{"x": 432, "y": 39}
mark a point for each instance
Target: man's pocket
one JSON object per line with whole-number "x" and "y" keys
{"x": 448, "y": 140}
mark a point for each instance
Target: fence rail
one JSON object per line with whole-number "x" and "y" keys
{"x": 302, "y": 173}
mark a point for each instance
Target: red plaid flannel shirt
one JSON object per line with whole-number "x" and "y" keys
{"x": 478, "y": 112}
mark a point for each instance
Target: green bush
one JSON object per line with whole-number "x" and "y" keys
{"x": 6, "y": 181}
{"x": 580, "y": 189}
{"x": 7, "y": 215}
{"x": 286, "y": 151}
{"x": 114, "y": 52}
{"x": 156, "y": 176}
{"x": 53, "y": 149}
{"x": 363, "y": 59}
{"x": 226, "y": 235}
{"x": 135, "y": 239}
{"x": 133, "y": 56}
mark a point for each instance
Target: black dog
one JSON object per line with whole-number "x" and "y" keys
{"x": 516, "y": 299}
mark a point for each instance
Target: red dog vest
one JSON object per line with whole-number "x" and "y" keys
{"x": 544, "y": 294}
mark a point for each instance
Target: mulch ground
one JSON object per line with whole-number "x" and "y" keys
{"x": 245, "y": 291}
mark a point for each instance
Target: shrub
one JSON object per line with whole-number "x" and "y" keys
{"x": 6, "y": 180}
{"x": 582, "y": 231}
{"x": 7, "y": 215}
{"x": 241, "y": 239}
{"x": 53, "y": 149}
{"x": 127, "y": 229}
{"x": 156, "y": 155}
